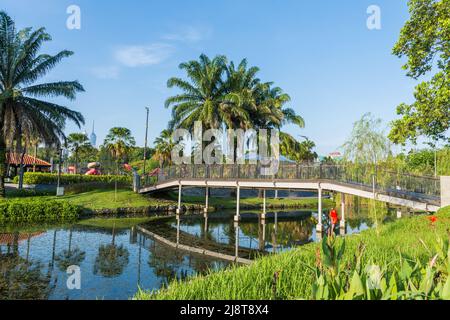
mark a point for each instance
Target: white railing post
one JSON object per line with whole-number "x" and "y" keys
{"x": 179, "y": 200}
{"x": 237, "y": 217}
{"x": 319, "y": 227}
{"x": 342, "y": 223}
{"x": 445, "y": 191}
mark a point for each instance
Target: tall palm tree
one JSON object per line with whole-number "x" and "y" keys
{"x": 119, "y": 142}
{"x": 21, "y": 66}
{"x": 163, "y": 148}
{"x": 201, "y": 96}
{"x": 76, "y": 142}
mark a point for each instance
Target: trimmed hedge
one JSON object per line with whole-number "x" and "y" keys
{"x": 37, "y": 210}
{"x": 67, "y": 179}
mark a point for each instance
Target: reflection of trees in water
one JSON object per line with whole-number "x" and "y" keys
{"x": 111, "y": 259}
{"x": 21, "y": 278}
{"x": 168, "y": 263}
{"x": 70, "y": 257}
{"x": 287, "y": 232}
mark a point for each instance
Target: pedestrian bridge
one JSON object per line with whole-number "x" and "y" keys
{"x": 416, "y": 192}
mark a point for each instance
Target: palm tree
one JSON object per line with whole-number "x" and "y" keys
{"x": 202, "y": 96}
{"x": 163, "y": 148}
{"x": 119, "y": 142}
{"x": 76, "y": 142}
{"x": 21, "y": 112}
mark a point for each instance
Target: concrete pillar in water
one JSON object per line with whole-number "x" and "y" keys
{"x": 178, "y": 229}
{"x": 263, "y": 216}
{"x": 236, "y": 228}
{"x": 237, "y": 217}
{"x": 319, "y": 227}
{"x": 179, "y": 200}
{"x": 205, "y": 211}
{"x": 342, "y": 223}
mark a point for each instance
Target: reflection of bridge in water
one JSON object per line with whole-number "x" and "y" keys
{"x": 416, "y": 192}
{"x": 239, "y": 243}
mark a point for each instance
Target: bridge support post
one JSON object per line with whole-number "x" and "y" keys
{"x": 319, "y": 227}
{"x": 399, "y": 213}
{"x": 236, "y": 248}
{"x": 263, "y": 216}
{"x": 205, "y": 211}
{"x": 179, "y": 200}
{"x": 178, "y": 229}
{"x": 237, "y": 217}
{"x": 342, "y": 223}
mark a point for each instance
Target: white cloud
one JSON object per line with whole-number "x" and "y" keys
{"x": 189, "y": 34}
{"x": 111, "y": 72}
{"x": 135, "y": 56}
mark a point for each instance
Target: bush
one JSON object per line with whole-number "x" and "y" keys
{"x": 68, "y": 179}
{"x": 24, "y": 193}
{"x": 37, "y": 210}
{"x": 90, "y": 186}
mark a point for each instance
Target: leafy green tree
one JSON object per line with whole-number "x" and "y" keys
{"x": 119, "y": 142}
{"x": 220, "y": 93}
{"x": 367, "y": 143}
{"x": 21, "y": 110}
{"x": 425, "y": 41}
{"x": 163, "y": 148}
{"x": 201, "y": 97}
{"x": 77, "y": 142}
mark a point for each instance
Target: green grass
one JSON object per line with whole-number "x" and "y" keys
{"x": 125, "y": 198}
{"x": 230, "y": 203}
{"x": 383, "y": 246}
{"x": 107, "y": 199}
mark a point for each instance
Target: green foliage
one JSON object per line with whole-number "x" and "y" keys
{"x": 410, "y": 237}
{"x": 119, "y": 142}
{"x": 411, "y": 279}
{"x": 33, "y": 178}
{"x": 24, "y": 115}
{"x": 28, "y": 210}
{"x": 367, "y": 143}
{"x": 425, "y": 41}
{"x": 24, "y": 193}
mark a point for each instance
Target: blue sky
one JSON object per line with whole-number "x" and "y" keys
{"x": 320, "y": 52}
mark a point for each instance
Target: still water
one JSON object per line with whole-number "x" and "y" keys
{"x": 115, "y": 257}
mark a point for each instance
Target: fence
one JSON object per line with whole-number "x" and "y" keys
{"x": 364, "y": 176}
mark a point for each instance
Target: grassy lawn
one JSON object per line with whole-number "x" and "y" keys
{"x": 125, "y": 198}
{"x": 107, "y": 199}
{"x": 230, "y": 203}
{"x": 411, "y": 237}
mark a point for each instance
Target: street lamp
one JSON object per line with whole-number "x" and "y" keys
{"x": 145, "y": 144}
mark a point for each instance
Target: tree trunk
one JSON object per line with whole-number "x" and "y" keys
{"x": 22, "y": 168}
{"x": 35, "y": 155}
{"x": 2, "y": 164}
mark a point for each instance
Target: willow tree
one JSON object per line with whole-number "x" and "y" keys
{"x": 367, "y": 143}
{"x": 22, "y": 110}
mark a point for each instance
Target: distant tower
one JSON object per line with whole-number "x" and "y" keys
{"x": 93, "y": 136}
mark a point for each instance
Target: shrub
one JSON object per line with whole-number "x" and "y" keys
{"x": 90, "y": 186}
{"x": 16, "y": 193}
{"x": 68, "y": 179}
{"x": 37, "y": 210}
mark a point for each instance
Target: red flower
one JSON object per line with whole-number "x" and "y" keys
{"x": 433, "y": 219}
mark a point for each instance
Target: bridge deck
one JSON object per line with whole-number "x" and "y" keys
{"x": 417, "y": 192}
{"x": 396, "y": 197}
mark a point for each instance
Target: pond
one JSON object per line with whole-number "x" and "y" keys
{"x": 115, "y": 256}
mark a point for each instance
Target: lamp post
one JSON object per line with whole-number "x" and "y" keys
{"x": 145, "y": 143}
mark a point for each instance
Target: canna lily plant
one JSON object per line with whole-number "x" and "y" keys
{"x": 410, "y": 280}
